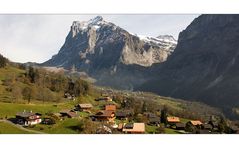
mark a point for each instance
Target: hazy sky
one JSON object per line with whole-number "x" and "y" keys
{"x": 36, "y": 38}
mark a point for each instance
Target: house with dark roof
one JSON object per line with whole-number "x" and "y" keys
{"x": 154, "y": 121}
{"x": 68, "y": 113}
{"x": 86, "y": 107}
{"x": 28, "y": 118}
{"x": 180, "y": 126}
{"x": 123, "y": 114}
{"x": 104, "y": 115}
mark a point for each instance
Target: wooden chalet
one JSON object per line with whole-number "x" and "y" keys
{"x": 180, "y": 126}
{"x": 154, "y": 121}
{"x": 134, "y": 128}
{"x": 110, "y": 107}
{"x": 196, "y": 123}
{"x": 28, "y": 118}
{"x": 123, "y": 114}
{"x": 84, "y": 107}
{"x": 105, "y": 115}
{"x": 173, "y": 120}
{"x": 68, "y": 113}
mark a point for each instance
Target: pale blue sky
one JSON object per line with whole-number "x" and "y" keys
{"x": 36, "y": 38}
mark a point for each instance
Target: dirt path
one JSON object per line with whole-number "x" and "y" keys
{"x": 22, "y": 128}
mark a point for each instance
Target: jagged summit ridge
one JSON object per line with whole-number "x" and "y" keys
{"x": 86, "y": 39}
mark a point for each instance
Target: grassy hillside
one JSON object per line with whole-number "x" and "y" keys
{"x": 6, "y": 128}
{"x": 20, "y": 84}
{"x": 177, "y": 107}
{"x": 46, "y": 95}
{"x": 10, "y": 109}
{"x": 67, "y": 126}
{"x": 8, "y": 72}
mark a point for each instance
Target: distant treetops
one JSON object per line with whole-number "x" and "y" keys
{"x": 3, "y": 61}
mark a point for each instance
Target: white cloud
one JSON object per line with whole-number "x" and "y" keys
{"x": 36, "y": 38}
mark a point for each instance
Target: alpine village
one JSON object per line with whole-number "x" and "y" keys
{"x": 58, "y": 98}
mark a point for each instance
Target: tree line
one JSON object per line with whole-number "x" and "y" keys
{"x": 42, "y": 85}
{"x": 3, "y": 61}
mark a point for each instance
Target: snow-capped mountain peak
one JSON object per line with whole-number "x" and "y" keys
{"x": 102, "y": 49}
{"x": 94, "y": 39}
{"x": 162, "y": 39}
{"x": 78, "y": 26}
{"x": 95, "y": 20}
{"x": 166, "y": 38}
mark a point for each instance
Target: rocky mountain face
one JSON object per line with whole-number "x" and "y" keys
{"x": 110, "y": 54}
{"x": 205, "y": 64}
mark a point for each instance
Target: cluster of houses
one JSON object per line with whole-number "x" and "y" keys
{"x": 113, "y": 118}
{"x": 110, "y": 113}
{"x": 197, "y": 126}
{"x": 28, "y": 118}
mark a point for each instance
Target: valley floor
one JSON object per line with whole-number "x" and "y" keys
{"x": 65, "y": 126}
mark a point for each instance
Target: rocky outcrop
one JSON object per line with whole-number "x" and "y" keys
{"x": 110, "y": 54}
